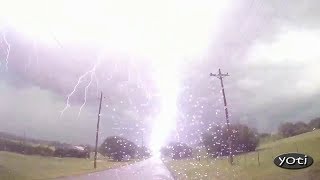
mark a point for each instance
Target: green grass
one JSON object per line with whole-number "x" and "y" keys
{"x": 246, "y": 166}
{"x": 20, "y": 167}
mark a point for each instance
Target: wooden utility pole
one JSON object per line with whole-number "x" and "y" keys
{"x": 221, "y": 76}
{"x": 97, "y": 133}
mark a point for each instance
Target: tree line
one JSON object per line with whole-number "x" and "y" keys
{"x": 243, "y": 139}
{"x": 19, "y": 147}
{"x": 215, "y": 142}
{"x": 289, "y": 129}
{"x": 22, "y": 147}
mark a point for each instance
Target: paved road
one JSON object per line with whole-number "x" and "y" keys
{"x": 150, "y": 169}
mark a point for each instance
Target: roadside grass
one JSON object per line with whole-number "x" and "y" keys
{"x": 247, "y": 166}
{"x": 22, "y": 167}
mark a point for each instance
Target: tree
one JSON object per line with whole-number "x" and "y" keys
{"x": 289, "y": 129}
{"x": 118, "y": 148}
{"x": 301, "y": 127}
{"x": 243, "y": 139}
{"x": 286, "y": 129}
{"x": 314, "y": 123}
{"x": 215, "y": 142}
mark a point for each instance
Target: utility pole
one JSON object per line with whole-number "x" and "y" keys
{"x": 221, "y": 76}
{"x": 97, "y": 133}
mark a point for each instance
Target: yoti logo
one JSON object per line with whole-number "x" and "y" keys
{"x": 293, "y": 161}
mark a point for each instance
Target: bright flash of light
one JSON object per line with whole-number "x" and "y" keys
{"x": 133, "y": 27}
{"x": 164, "y": 31}
{"x": 165, "y": 121}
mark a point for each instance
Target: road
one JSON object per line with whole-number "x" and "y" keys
{"x": 150, "y": 169}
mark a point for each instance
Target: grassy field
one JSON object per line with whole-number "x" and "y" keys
{"x": 20, "y": 167}
{"x": 247, "y": 166}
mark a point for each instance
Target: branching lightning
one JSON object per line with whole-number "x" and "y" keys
{"x": 92, "y": 75}
{"x": 86, "y": 90}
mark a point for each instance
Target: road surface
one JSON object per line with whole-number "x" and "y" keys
{"x": 150, "y": 169}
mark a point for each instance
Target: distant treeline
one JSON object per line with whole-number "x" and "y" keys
{"x": 29, "y": 149}
{"x": 13, "y": 137}
{"x": 216, "y": 143}
{"x": 18, "y": 147}
{"x": 289, "y": 129}
{"x": 243, "y": 139}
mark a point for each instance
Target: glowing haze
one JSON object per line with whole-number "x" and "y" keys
{"x": 166, "y": 32}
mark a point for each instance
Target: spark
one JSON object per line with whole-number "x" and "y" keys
{"x": 8, "y": 49}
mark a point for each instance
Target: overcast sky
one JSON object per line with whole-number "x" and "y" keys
{"x": 269, "y": 48}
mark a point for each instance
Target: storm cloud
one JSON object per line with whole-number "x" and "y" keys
{"x": 269, "y": 49}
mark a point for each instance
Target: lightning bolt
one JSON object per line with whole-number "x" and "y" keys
{"x": 92, "y": 74}
{"x": 97, "y": 83}
{"x": 8, "y": 49}
{"x": 72, "y": 92}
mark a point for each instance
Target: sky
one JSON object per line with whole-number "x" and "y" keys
{"x": 152, "y": 60}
